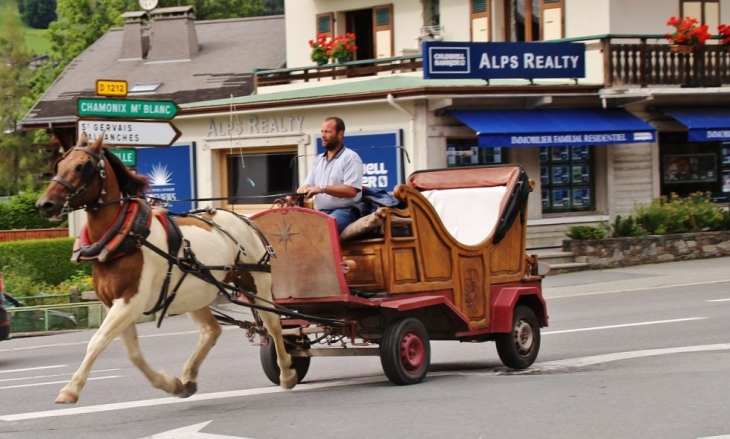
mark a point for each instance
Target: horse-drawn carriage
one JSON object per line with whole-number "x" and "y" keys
{"x": 448, "y": 263}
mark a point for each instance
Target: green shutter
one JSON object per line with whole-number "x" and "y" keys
{"x": 478, "y": 6}
{"x": 382, "y": 17}
{"x": 324, "y": 25}
{"x": 551, "y": 1}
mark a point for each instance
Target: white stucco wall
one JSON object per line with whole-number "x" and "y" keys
{"x": 294, "y": 128}
{"x": 584, "y": 18}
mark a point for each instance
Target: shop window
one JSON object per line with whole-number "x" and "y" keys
{"x": 260, "y": 178}
{"x": 688, "y": 167}
{"x": 466, "y": 152}
{"x": 567, "y": 179}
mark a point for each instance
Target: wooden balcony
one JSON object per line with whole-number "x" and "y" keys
{"x": 628, "y": 60}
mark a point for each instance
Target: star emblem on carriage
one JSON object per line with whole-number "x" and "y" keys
{"x": 284, "y": 233}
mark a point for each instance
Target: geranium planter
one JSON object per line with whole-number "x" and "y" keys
{"x": 624, "y": 252}
{"x": 681, "y": 49}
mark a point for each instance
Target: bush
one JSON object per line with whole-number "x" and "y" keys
{"x": 44, "y": 261}
{"x": 20, "y": 213}
{"x": 626, "y": 227}
{"x": 586, "y": 232}
{"x": 673, "y": 214}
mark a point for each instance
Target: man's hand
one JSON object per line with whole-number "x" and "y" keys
{"x": 310, "y": 191}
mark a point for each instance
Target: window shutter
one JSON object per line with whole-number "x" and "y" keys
{"x": 326, "y": 24}
{"x": 551, "y": 20}
{"x": 383, "y": 30}
{"x": 479, "y": 20}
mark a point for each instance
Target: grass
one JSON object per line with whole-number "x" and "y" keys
{"x": 35, "y": 41}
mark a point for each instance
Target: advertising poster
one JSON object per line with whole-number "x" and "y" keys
{"x": 171, "y": 173}
{"x": 561, "y": 175}
{"x": 559, "y": 153}
{"x": 579, "y": 153}
{"x": 545, "y": 198}
{"x": 561, "y": 198}
{"x": 544, "y": 154}
{"x": 726, "y": 153}
{"x": 581, "y": 174}
{"x": 581, "y": 197}
{"x": 544, "y": 175}
{"x": 726, "y": 180}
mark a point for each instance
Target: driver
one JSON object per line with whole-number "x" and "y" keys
{"x": 335, "y": 180}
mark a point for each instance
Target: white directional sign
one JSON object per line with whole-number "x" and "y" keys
{"x": 138, "y": 133}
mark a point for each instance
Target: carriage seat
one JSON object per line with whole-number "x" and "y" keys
{"x": 469, "y": 214}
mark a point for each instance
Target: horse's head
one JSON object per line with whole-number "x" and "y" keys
{"x": 78, "y": 180}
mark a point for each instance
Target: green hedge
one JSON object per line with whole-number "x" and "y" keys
{"x": 45, "y": 261}
{"x": 20, "y": 213}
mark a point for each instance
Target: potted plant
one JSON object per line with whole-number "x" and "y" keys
{"x": 688, "y": 35}
{"x": 320, "y": 49}
{"x": 343, "y": 48}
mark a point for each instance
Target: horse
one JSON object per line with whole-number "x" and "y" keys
{"x": 135, "y": 262}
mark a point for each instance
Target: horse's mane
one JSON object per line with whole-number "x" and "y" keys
{"x": 130, "y": 184}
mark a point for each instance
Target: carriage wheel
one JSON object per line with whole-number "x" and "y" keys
{"x": 267, "y": 355}
{"x": 405, "y": 351}
{"x": 518, "y": 349}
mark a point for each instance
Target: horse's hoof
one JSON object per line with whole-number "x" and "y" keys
{"x": 67, "y": 397}
{"x": 189, "y": 389}
{"x": 289, "y": 383}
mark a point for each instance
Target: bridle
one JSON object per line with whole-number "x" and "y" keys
{"x": 92, "y": 167}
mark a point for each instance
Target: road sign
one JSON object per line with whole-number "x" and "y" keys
{"x": 126, "y": 108}
{"x": 127, "y": 156}
{"x": 122, "y": 132}
{"x": 107, "y": 87}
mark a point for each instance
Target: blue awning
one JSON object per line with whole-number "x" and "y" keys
{"x": 553, "y": 127}
{"x": 705, "y": 124}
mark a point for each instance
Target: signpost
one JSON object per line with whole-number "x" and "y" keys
{"x": 107, "y": 87}
{"x": 126, "y": 108}
{"x": 138, "y": 133}
{"x": 127, "y": 156}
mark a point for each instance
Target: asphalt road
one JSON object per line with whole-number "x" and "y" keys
{"x": 630, "y": 353}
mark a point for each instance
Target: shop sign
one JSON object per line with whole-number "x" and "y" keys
{"x": 463, "y": 60}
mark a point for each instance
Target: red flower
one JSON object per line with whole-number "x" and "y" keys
{"x": 687, "y": 32}
{"x": 723, "y": 30}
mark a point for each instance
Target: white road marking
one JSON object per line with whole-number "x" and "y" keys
{"x": 33, "y": 368}
{"x": 724, "y": 436}
{"x": 625, "y": 325}
{"x": 719, "y": 300}
{"x": 52, "y": 376}
{"x": 536, "y": 368}
{"x": 633, "y": 290}
{"x": 194, "y": 398}
{"x": 191, "y": 432}
{"x": 54, "y": 382}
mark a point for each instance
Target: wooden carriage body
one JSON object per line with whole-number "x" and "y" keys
{"x": 454, "y": 257}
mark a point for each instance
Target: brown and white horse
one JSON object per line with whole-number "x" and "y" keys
{"x": 129, "y": 282}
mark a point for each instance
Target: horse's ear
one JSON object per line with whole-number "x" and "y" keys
{"x": 96, "y": 146}
{"x": 83, "y": 139}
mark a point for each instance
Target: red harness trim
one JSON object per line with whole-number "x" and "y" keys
{"x": 110, "y": 245}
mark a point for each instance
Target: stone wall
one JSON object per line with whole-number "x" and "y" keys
{"x": 624, "y": 252}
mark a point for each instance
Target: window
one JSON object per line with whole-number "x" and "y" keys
{"x": 686, "y": 167}
{"x": 260, "y": 178}
{"x": 706, "y": 11}
{"x": 466, "y": 152}
{"x": 533, "y": 20}
{"x": 566, "y": 179}
{"x": 373, "y": 29}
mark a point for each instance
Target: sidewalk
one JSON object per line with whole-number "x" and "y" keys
{"x": 638, "y": 277}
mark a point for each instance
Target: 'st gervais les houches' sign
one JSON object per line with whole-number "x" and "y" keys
{"x": 455, "y": 60}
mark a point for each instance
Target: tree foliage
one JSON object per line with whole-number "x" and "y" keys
{"x": 17, "y": 159}
{"x": 37, "y": 14}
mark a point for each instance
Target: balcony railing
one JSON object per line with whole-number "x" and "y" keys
{"x": 638, "y": 61}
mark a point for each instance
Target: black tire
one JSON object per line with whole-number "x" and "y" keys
{"x": 518, "y": 348}
{"x": 405, "y": 351}
{"x": 267, "y": 355}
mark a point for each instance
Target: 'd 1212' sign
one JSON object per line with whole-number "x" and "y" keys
{"x": 456, "y": 60}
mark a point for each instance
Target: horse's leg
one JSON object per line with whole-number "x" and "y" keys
{"x": 120, "y": 316}
{"x": 288, "y": 377}
{"x": 210, "y": 330}
{"x": 158, "y": 379}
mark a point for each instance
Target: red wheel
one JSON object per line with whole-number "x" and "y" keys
{"x": 405, "y": 351}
